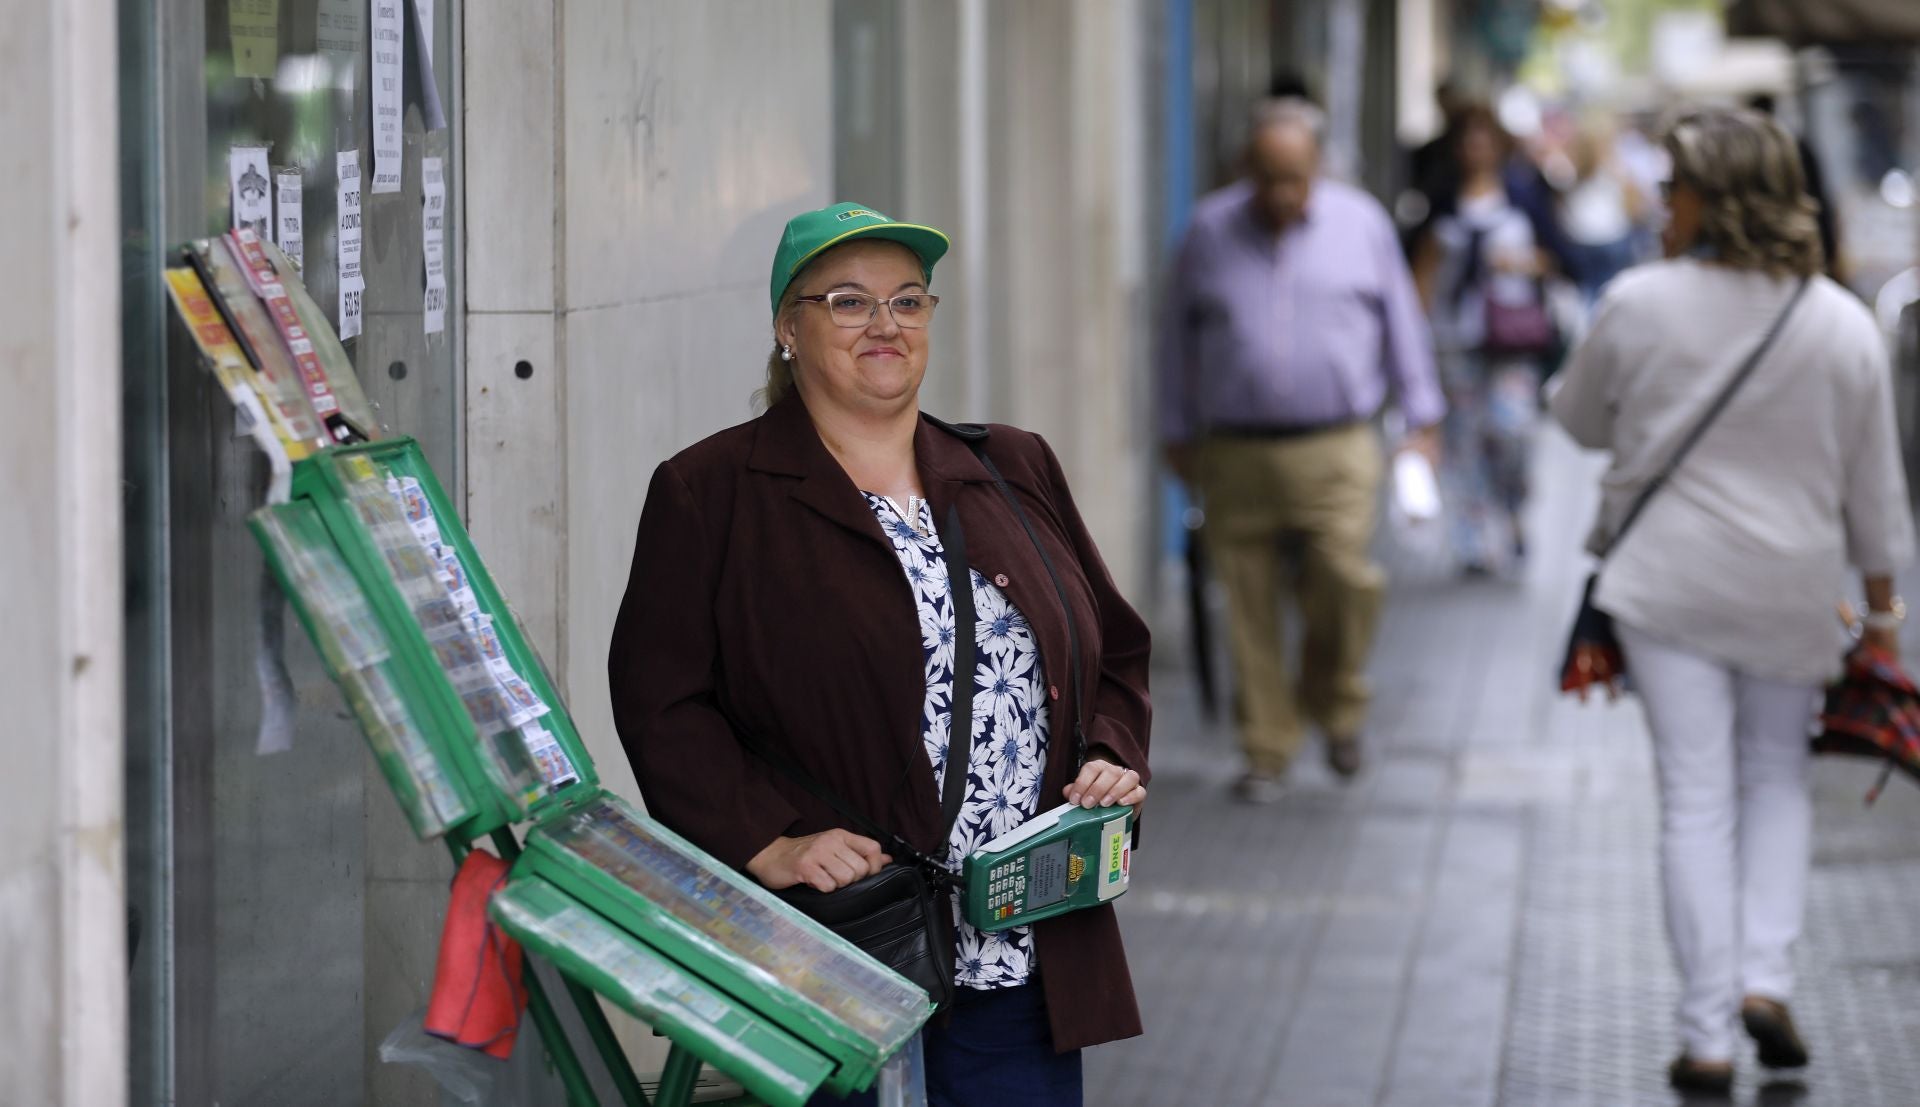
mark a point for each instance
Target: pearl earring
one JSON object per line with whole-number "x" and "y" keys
{"x": 786, "y": 353}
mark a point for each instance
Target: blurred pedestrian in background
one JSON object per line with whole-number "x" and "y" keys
{"x": 1430, "y": 166}
{"x": 1600, "y": 209}
{"x": 1480, "y": 267}
{"x": 1723, "y": 593}
{"x": 1290, "y": 318}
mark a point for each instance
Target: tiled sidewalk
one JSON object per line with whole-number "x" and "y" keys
{"x": 1476, "y": 920}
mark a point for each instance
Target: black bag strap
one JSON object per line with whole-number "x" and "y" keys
{"x": 978, "y": 446}
{"x": 959, "y": 741}
{"x": 953, "y": 786}
{"x": 1713, "y": 411}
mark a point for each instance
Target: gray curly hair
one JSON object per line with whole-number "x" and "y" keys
{"x": 1756, "y": 213}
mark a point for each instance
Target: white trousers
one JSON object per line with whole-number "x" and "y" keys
{"x": 1736, "y": 829}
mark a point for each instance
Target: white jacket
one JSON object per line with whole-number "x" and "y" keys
{"x": 1744, "y": 553}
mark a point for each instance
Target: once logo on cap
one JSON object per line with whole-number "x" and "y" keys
{"x": 857, "y": 212}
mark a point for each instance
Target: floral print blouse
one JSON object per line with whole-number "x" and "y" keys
{"x": 1008, "y": 753}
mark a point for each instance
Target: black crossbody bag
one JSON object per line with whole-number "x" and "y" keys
{"x": 892, "y": 915}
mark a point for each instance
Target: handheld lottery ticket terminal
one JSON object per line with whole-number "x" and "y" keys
{"x": 1059, "y": 861}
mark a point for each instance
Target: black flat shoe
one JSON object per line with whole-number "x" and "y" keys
{"x": 1689, "y": 1075}
{"x": 1771, "y": 1027}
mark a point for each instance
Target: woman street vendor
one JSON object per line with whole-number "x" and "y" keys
{"x": 790, "y": 582}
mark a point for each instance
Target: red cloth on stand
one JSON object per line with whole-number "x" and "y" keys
{"x": 477, "y": 991}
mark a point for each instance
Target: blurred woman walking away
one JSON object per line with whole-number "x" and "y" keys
{"x": 1723, "y": 592}
{"x": 1479, "y": 268}
{"x": 1601, "y": 211}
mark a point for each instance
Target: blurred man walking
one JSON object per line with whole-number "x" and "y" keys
{"x": 1291, "y": 317}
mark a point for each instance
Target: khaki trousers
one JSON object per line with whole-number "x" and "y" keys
{"x": 1316, "y": 496}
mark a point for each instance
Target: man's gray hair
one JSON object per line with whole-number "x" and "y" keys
{"x": 1289, "y": 111}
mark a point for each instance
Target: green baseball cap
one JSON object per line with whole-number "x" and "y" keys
{"x": 810, "y": 233}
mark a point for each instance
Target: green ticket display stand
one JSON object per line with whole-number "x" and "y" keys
{"x": 468, "y": 730}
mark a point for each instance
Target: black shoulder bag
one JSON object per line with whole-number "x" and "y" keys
{"x": 1593, "y": 651}
{"x": 892, "y": 915}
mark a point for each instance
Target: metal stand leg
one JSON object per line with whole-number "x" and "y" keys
{"x": 677, "y": 1080}
{"x": 614, "y": 1057}
{"x": 554, "y": 1037}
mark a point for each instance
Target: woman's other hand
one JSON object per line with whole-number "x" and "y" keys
{"x": 829, "y": 860}
{"x": 1104, "y": 784}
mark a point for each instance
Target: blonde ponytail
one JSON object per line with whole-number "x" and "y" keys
{"x": 779, "y": 380}
{"x": 779, "y": 369}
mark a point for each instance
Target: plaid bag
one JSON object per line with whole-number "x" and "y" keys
{"x": 1873, "y": 711}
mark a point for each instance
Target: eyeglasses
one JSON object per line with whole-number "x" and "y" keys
{"x": 857, "y": 309}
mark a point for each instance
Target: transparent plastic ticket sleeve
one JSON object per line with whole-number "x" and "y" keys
{"x": 433, "y": 579}
{"x": 903, "y": 1080}
{"x": 224, "y": 356}
{"x": 700, "y": 912}
{"x": 341, "y": 378}
{"x": 358, "y": 654}
{"x": 432, "y": 804}
{"x": 770, "y": 1063}
{"x": 277, "y": 378}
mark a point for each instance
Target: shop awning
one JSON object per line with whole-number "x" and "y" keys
{"x": 1828, "y": 22}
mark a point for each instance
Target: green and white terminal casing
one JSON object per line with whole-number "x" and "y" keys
{"x": 1059, "y": 861}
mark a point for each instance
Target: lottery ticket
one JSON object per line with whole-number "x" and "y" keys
{"x": 453, "y": 576}
{"x": 556, "y": 768}
{"x": 458, "y": 652}
{"x": 417, "y": 510}
{"x": 524, "y": 705}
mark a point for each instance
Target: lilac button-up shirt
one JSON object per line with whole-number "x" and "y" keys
{"x": 1312, "y": 326}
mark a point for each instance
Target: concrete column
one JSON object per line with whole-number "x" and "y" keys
{"x": 1066, "y": 314}
{"x": 63, "y": 936}
{"x": 630, "y": 164}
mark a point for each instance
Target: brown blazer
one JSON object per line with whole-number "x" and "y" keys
{"x": 760, "y": 574}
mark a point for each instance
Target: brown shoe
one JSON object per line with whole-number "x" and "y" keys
{"x": 1771, "y": 1027}
{"x": 1708, "y": 1077}
{"x": 1343, "y": 755}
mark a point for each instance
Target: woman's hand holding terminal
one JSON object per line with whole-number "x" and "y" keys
{"x": 1104, "y": 784}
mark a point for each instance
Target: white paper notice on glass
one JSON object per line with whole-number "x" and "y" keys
{"x": 433, "y": 244}
{"x": 388, "y": 104}
{"x": 252, "y": 185}
{"x": 353, "y": 285}
{"x": 255, "y": 29}
{"x": 337, "y": 28}
{"x": 288, "y": 227}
